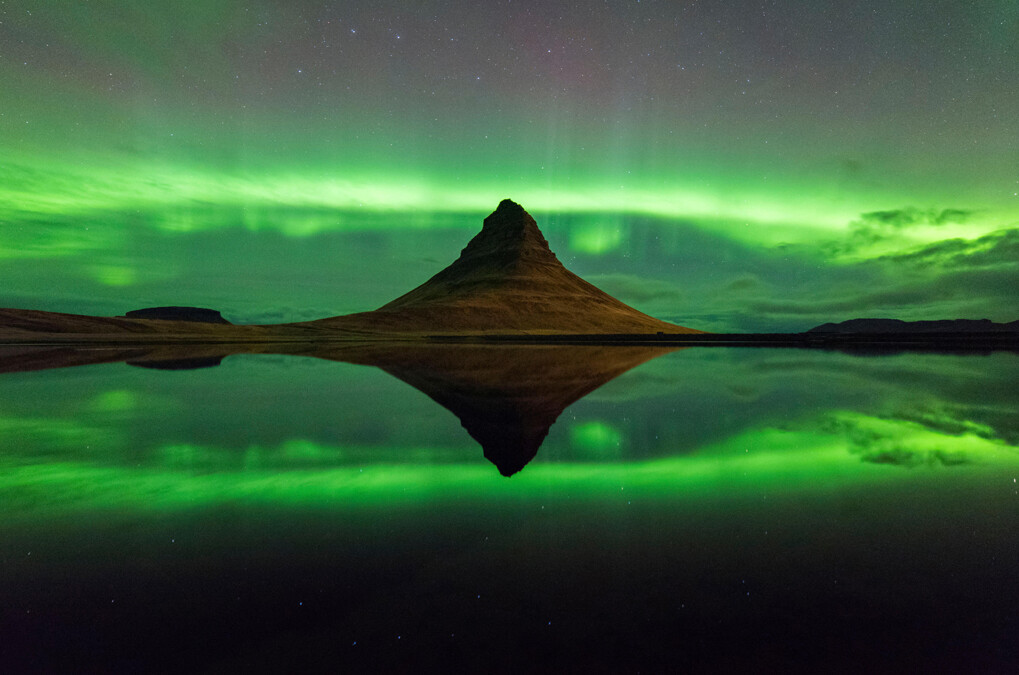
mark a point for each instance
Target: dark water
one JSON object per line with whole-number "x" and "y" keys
{"x": 714, "y": 509}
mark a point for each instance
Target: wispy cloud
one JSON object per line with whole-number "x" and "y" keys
{"x": 911, "y": 217}
{"x": 991, "y": 250}
{"x": 630, "y": 288}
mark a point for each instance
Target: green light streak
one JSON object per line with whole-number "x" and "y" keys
{"x": 115, "y": 401}
{"x": 595, "y": 238}
{"x": 54, "y": 433}
{"x": 596, "y": 439}
{"x": 298, "y": 204}
{"x": 911, "y": 444}
{"x": 779, "y": 461}
{"x": 116, "y": 276}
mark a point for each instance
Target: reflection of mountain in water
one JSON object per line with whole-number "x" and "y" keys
{"x": 506, "y": 397}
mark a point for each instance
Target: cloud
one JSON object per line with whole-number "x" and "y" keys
{"x": 953, "y": 278}
{"x": 908, "y": 458}
{"x": 924, "y": 440}
{"x": 279, "y": 314}
{"x": 743, "y": 284}
{"x": 853, "y": 304}
{"x": 991, "y": 250}
{"x": 629, "y": 288}
{"x": 973, "y": 293}
{"x": 911, "y": 216}
{"x": 893, "y": 225}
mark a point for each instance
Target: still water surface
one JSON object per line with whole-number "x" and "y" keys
{"x": 715, "y": 508}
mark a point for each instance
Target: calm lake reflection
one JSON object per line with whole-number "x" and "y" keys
{"x": 710, "y": 508}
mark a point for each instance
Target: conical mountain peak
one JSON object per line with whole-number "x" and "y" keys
{"x": 508, "y": 236}
{"x": 508, "y": 216}
{"x": 510, "y": 222}
{"x": 507, "y": 279}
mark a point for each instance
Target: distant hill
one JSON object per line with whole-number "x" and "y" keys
{"x": 898, "y": 326}
{"x": 199, "y": 314}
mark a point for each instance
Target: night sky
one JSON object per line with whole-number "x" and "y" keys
{"x": 731, "y": 166}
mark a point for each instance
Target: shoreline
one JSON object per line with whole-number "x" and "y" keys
{"x": 989, "y": 341}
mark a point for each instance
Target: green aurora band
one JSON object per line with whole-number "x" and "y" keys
{"x": 779, "y": 462}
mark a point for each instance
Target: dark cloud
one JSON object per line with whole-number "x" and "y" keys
{"x": 742, "y": 285}
{"x": 911, "y": 216}
{"x": 875, "y": 226}
{"x": 991, "y": 250}
{"x": 948, "y": 422}
{"x": 893, "y": 444}
{"x": 895, "y": 218}
{"x": 953, "y": 216}
{"x": 854, "y": 305}
{"x": 724, "y": 321}
{"x": 279, "y": 314}
{"x": 954, "y": 278}
{"x": 629, "y": 288}
{"x": 965, "y": 294}
{"x": 907, "y": 458}
{"x": 852, "y": 167}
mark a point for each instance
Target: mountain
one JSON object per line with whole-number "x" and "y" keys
{"x": 507, "y": 280}
{"x": 898, "y": 326}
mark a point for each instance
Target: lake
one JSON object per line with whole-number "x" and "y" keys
{"x": 704, "y": 508}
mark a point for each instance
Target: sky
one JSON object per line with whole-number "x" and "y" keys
{"x": 737, "y": 166}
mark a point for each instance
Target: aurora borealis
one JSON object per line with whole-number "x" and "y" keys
{"x": 740, "y": 166}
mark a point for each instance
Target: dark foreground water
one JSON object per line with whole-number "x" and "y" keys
{"x": 716, "y": 509}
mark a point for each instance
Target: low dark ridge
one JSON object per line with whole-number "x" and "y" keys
{"x": 196, "y": 314}
{"x": 942, "y": 326}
